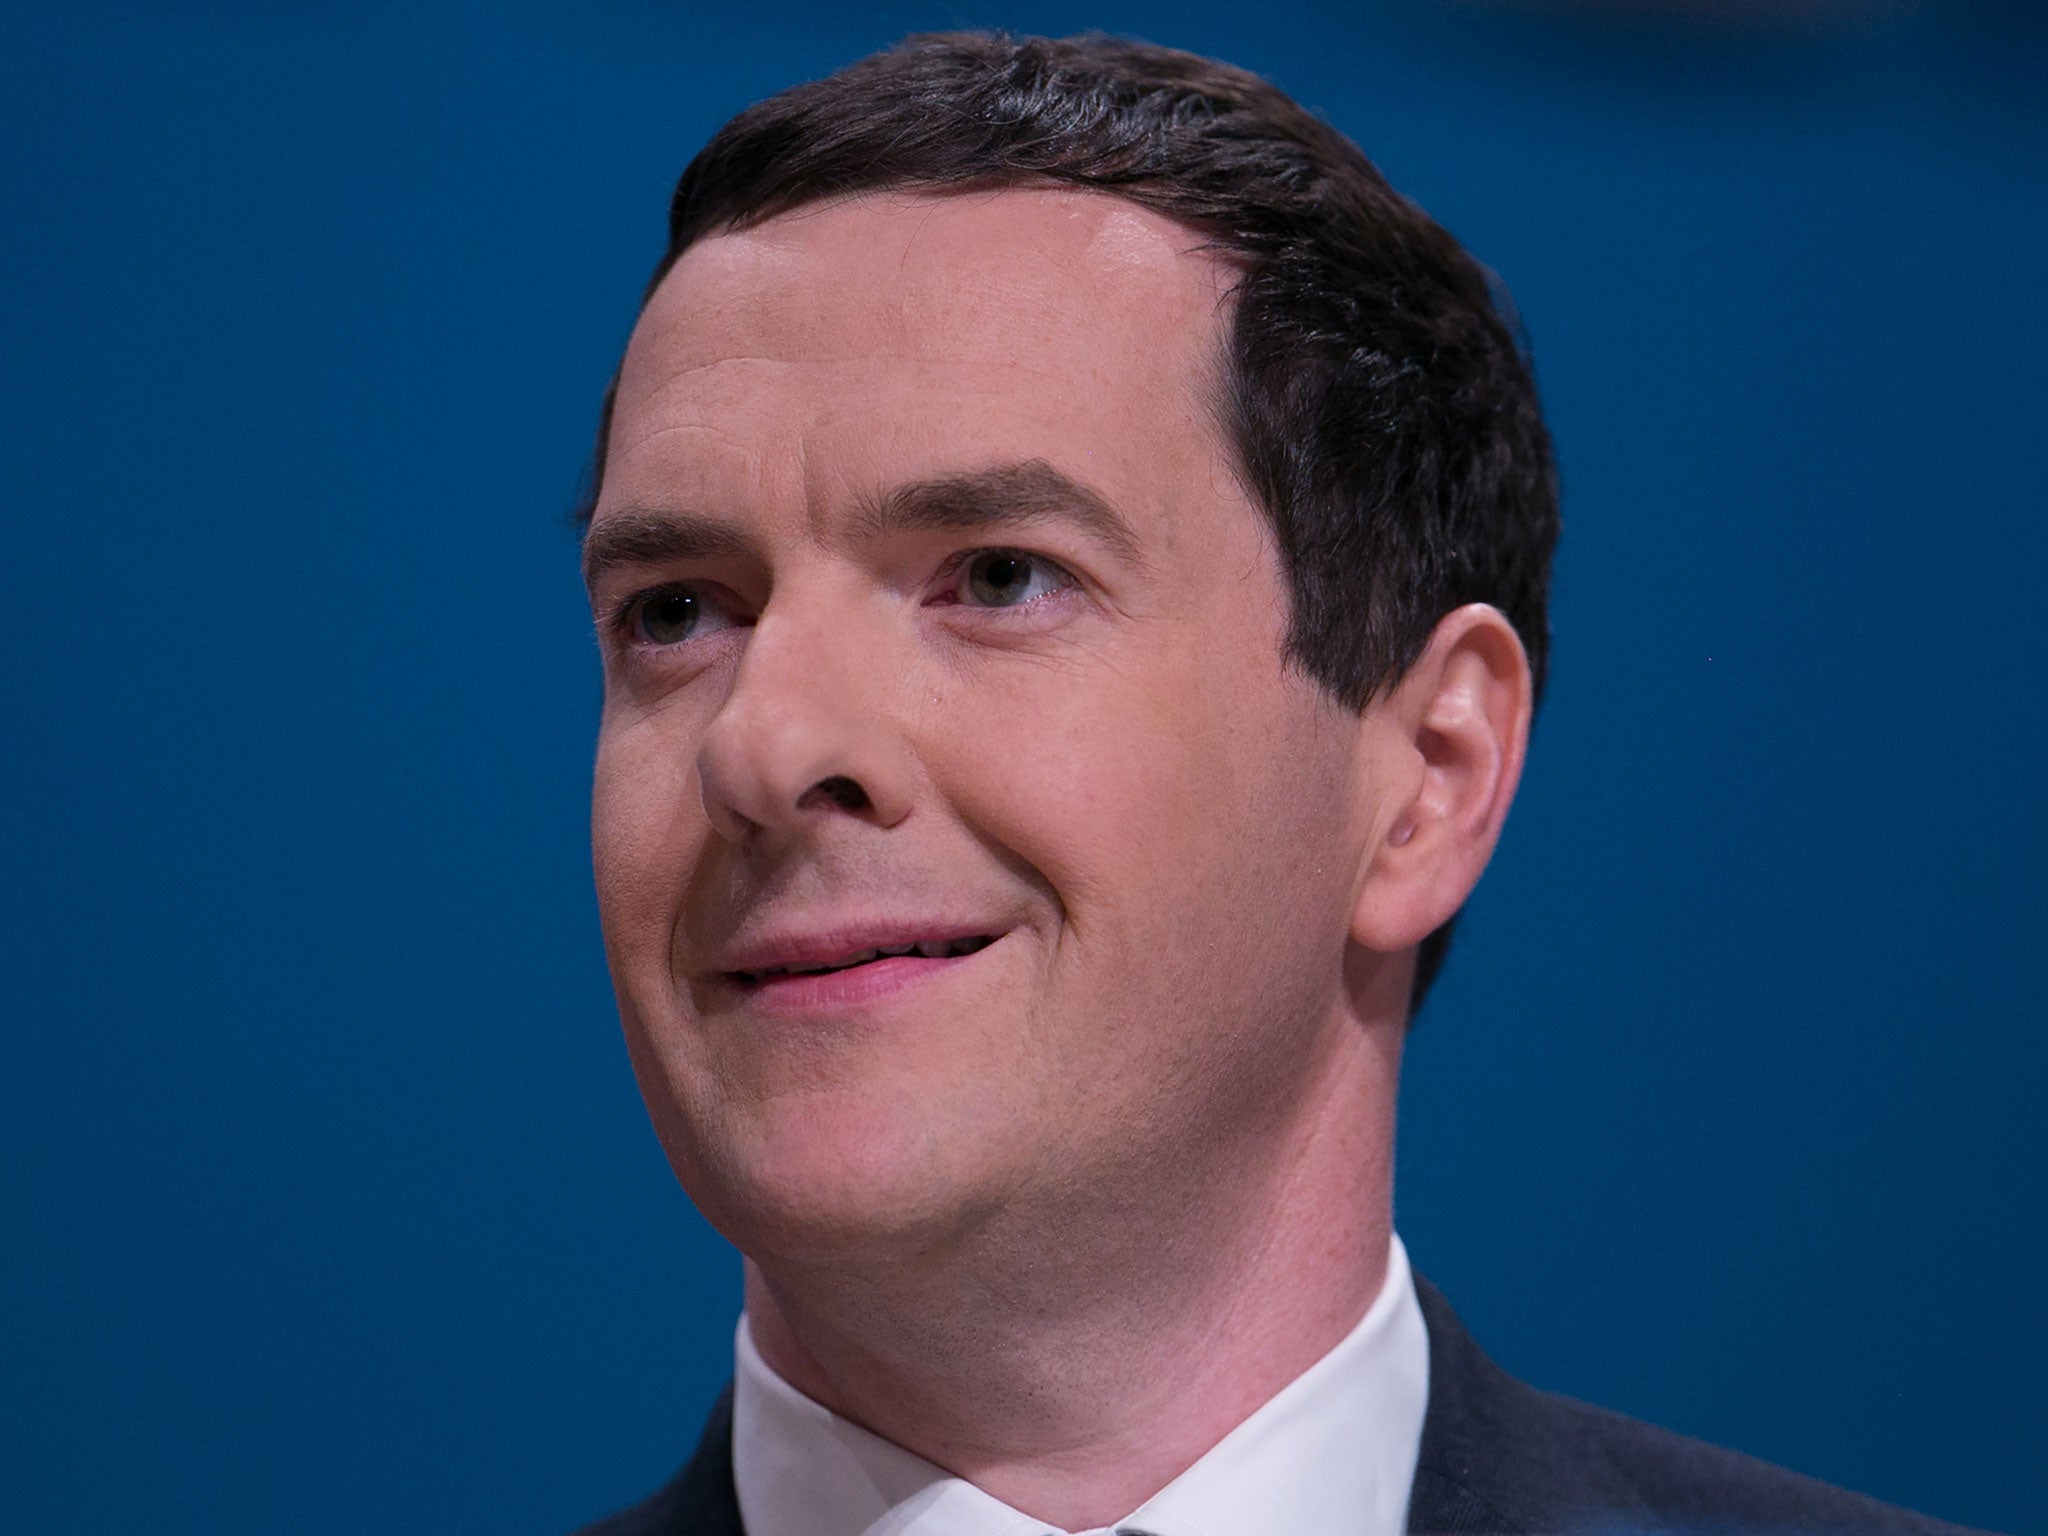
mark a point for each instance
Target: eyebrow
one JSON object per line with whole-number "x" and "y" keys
{"x": 979, "y": 501}
{"x": 1004, "y": 496}
{"x": 637, "y": 536}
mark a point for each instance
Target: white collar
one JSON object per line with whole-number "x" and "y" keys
{"x": 1334, "y": 1450}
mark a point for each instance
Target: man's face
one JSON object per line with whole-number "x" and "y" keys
{"x": 933, "y": 614}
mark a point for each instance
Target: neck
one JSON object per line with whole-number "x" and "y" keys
{"x": 1073, "y": 1371}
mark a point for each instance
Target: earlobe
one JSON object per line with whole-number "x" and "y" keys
{"x": 1451, "y": 738}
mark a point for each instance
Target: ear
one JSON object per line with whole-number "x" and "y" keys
{"x": 1442, "y": 763}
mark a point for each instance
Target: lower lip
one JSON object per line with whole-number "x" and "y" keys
{"x": 837, "y": 990}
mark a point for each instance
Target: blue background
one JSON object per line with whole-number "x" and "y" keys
{"x": 328, "y": 1203}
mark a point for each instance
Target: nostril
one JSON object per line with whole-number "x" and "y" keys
{"x": 842, "y": 792}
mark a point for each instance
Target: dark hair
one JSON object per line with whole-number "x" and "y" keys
{"x": 1380, "y": 407}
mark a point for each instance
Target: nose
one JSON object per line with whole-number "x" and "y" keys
{"x": 805, "y": 735}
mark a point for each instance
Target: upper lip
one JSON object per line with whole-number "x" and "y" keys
{"x": 843, "y": 944}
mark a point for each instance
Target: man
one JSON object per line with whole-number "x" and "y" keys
{"x": 1070, "y": 546}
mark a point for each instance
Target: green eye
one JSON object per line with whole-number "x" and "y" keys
{"x": 1006, "y": 578}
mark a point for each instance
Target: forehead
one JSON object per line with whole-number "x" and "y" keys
{"x": 905, "y": 334}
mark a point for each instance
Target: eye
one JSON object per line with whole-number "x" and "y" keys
{"x": 672, "y": 614}
{"x": 1008, "y": 578}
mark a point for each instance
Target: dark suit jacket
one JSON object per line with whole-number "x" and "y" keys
{"x": 1498, "y": 1459}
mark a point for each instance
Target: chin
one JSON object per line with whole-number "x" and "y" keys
{"x": 825, "y": 1176}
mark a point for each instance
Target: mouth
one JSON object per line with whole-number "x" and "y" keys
{"x": 856, "y": 960}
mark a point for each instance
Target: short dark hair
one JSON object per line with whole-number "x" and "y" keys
{"x": 1381, "y": 407}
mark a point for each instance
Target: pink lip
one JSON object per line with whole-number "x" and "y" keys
{"x": 838, "y": 990}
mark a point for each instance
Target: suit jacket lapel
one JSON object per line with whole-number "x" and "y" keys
{"x": 1459, "y": 1487}
{"x": 699, "y": 1500}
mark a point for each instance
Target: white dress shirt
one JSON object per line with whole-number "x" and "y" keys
{"x": 1333, "y": 1452}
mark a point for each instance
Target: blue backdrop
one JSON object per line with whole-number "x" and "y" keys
{"x": 328, "y": 1204}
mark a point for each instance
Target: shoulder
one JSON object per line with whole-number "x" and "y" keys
{"x": 698, "y": 1501}
{"x": 1500, "y": 1456}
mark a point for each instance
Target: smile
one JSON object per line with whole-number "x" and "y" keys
{"x": 933, "y": 949}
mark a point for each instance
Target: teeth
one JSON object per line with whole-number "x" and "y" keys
{"x": 841, "y": 964}
{"x": 932, "y": 949}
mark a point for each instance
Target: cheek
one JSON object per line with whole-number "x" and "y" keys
{"x": 646, "y": 826}
{"x": 1139, "y": 794}
{"x": 646, "y": 816}
{"x": 1188, "y": 818}
{"x": 1067, "y": 785}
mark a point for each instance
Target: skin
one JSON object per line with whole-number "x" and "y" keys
{"x": 1059, "y": 1214}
